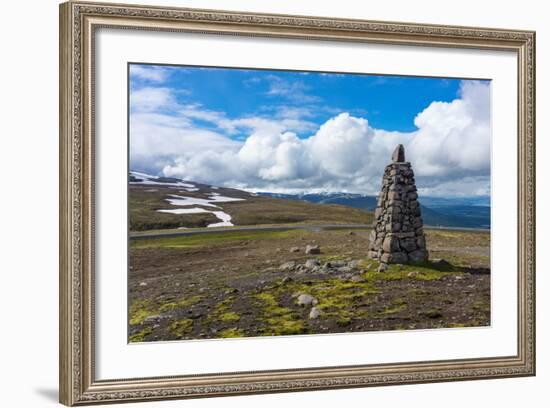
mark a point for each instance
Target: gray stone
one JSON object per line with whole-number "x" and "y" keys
{"x": 398, "y": 257}
{"x": 408, "y": 244}
{"x": 312, "y": 263}
{"x": 345, "y": 269}
{"x": 306, "y": 300}
{"x": 314, "y": 313}
{"x": 335, "y": 264}
{"x": 418, "y": 255}
{"x": 356, "y": 263}
{"x": 383, "y": 267}
{"x": 313, "y": 249}
{"x": 391, "y": 244}
{"x": 287, "y": 266}
{"x": 294, "y": 249}
{"x": 398, "y": 155}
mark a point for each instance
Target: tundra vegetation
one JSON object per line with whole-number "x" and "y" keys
{"x": 263, "y": 283}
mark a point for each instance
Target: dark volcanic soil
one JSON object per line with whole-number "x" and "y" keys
{"x": 234, "y": 286}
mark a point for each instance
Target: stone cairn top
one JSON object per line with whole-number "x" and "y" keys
{"x": 397, "y": 235}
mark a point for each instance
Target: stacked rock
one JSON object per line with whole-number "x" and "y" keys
{"x": 397, "y": 235}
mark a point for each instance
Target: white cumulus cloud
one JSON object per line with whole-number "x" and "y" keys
{"x": 450, "y": 150}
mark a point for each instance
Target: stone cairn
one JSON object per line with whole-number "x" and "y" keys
{"x": 397, "y": 235}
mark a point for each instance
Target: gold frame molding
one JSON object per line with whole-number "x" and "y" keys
{"x": 78, "y": 22}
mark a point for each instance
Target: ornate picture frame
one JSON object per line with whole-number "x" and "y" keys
{"x": 78, "y": 24}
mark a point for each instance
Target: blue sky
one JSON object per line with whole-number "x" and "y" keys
{"x": 277, "y": 130}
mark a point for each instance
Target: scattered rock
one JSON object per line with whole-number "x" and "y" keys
{"x": 143, "y": 284}
{"x": 313, "y": 249}
{"x": 412, "y": 274}
{"x": 314, "y": 313}
{"x": 357, "y": 278}
{"x": 335, "y": 264}
{"x": 152, "y": 319}
{"x": 306, "y": 300}
{"x": 383, "y": 267}
{"x": 344, "y": 269}
{"x": 286, "y": 279}
{"x": 231, "y": 291}
{"x": 294, "y": 249}
{"x": 351, "y": 233}
{"x": 312, "y": 263}
{"x": 355, "y": 264}
{"x": 287, "y": 266}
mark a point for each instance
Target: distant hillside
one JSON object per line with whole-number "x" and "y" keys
{"x": 464, "y": 212}
{"x": 167, "y": 203}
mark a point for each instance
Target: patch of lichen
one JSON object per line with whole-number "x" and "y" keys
{"x": 180, "y": 328}
{"x": 222, "y": 312}
{"x": 231, "y": 333}
{"x": 140, "y": 310}
{"x": 279, "y": 320}
{"x": 398, "y": 305}
{"x": 180, "y": 304}
{"x": 338, "y": 300}
{"x": 140, "y": 335}
{"x": 229, "y": 317}
{"x": 422, "y": 271}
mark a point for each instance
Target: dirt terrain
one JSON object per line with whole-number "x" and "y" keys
{"x": 262, "y": 283}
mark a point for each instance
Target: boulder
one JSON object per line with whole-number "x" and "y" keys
{"x": 313, "y": 249}
{"x": 312, "y": 263}
{"x": 383, "y": 267}
{"x": 287, "y": 266}
{"x": 306, "y": 300}
{"x": 314, "y": 313}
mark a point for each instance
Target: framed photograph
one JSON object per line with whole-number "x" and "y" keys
{"x": 256, "y": 203}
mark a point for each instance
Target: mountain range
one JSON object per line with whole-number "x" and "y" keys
{"x": 462, "y": 212}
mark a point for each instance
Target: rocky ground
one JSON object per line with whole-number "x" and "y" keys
{"x": 264, "y": 283}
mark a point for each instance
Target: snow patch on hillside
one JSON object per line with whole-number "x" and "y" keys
{"x": 149, "y": 180}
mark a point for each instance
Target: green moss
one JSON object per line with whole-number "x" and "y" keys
{"x": 189, "y": 241}
{"x": 339, "y": 299}
{"x": 229, "y": 317}
{"x": 343, "y": 321}
{"x": 140, "y": 310}
{"x": 422, "y": 271}
{"x": 231, "y": 333}
{"x": 181, "y": 303}
{"x": 180, "y": 328}
{"x": 280, "y": 320}
{"x": 394, "y": 309}
{"x": 140, "y": 336}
